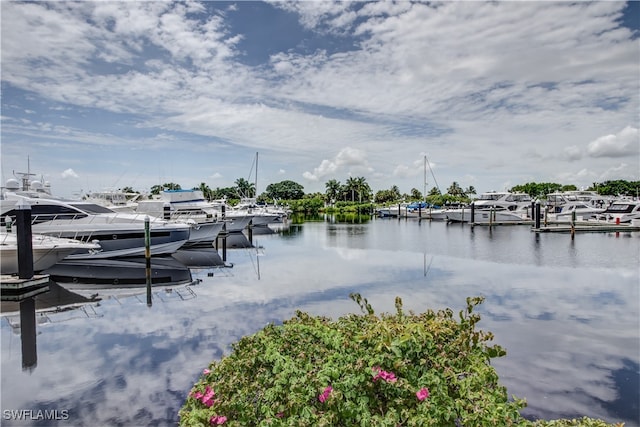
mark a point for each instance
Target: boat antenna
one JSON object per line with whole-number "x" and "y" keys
{"x": 24, "y": 177}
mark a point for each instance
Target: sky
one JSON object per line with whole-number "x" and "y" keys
{"x": 106, "y": 94}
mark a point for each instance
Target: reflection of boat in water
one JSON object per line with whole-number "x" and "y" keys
{"x": 118, "y": 273}
{"x": 238, "y": 241}
{"x": 199, "y": 257}
{"x": 56, "y": 297}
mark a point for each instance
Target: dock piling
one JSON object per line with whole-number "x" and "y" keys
{"x": 24, "y": 236}
{"x": 473, "y": 214}
{"x": 147, "y": 256}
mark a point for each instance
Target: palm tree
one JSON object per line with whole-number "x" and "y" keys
{"x": 396, "y": 192}
{"x": 358, "y": 186}
{"x": 364, "y": 191}
{"x": 470, "y": 190}
{"x": 245, "y": 188}
{"x": 455, "y": 189}
{"x": 333, "y": 190}
{"x": 351, "y": 186}
{"x": 206, "y": 191}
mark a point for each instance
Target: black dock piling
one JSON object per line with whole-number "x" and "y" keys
{"x": 473, "y": 214}
{"x": 24, "y": 236}
{"x": 147, "y": 257}
{"x": 537, "y": 215}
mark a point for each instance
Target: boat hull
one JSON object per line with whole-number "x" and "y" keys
{"x": 46, "y": 250}
{"x": 117, "y": 240}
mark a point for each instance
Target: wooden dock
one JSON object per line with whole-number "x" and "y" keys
{"x": 588, "y": 227}
{"x": 13, "y": 288}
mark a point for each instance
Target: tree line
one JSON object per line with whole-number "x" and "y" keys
{"x": 356, "y": 190}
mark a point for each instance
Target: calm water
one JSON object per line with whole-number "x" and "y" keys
{"x": 567, "y": 312}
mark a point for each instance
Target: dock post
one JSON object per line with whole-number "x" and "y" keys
{"x": 573, "y": 225}
{"x": 473, "y": 213}
{"x": 537, "y": 215}
{"x": 532, "y": 213}
{"x": 250, "y": 230}
{"x": 225, "y": 233}
{"x": 147, "y": 257}
{"x": 419, "y": 213}
{"x": 399, "y": 214}
{"x": 24, "y": 236}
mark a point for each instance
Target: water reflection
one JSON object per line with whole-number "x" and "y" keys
{"x": 28, "y": 333}
{"x": 569, "y": 322}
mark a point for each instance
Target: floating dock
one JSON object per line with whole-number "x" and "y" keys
{"x": 588, "y": 227}
{"x": 14, "y": 288}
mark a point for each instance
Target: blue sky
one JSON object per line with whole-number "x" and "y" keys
{"x": 111, "y": 94}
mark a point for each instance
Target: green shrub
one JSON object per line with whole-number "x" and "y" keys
{"x": 429, "y": 369}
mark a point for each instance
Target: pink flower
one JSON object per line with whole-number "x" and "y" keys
{"x": 197, "y": 395}
{"x": 386, "y": 376}
{"x": 208, "y": 396}
{"x": 218, "y": 420}
{"x": 280, "y": 414}
{"x": 325, "y": 394}
{"x": 422, "y": 394}
{"x": 206, "y": 371}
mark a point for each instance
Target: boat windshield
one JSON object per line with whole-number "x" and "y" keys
{"x": 491, "y": 196}
{"x": 92, "y": 208}
{"x": 518, "y": 198}
{"x": 620, "y": 208}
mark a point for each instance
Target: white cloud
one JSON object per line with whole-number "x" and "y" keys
{"x": 349, "y": 160}
{"x": 69, "y": 173}
{"x": 399, "y": 79}
{"x": 623, "y": 143}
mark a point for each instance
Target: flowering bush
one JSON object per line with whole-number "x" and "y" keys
{"x": 426, "y": 369}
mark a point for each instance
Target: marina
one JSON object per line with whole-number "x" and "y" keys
{"x": 564, "y": 309}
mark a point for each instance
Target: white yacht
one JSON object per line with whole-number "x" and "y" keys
{"x": 261, "y": 215}
{"x": 555, "y": 202}
{"x": 203, "y": 230}
{"x": 496, "y": 207}
{"x": 191, "y": 205}
{"x": 117, "y": 234}
{"x": 47, "y": 251}
{"x": 622, "y": 211}
{"x": 583, "y": 211}
{"x": 114, "y": 199}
